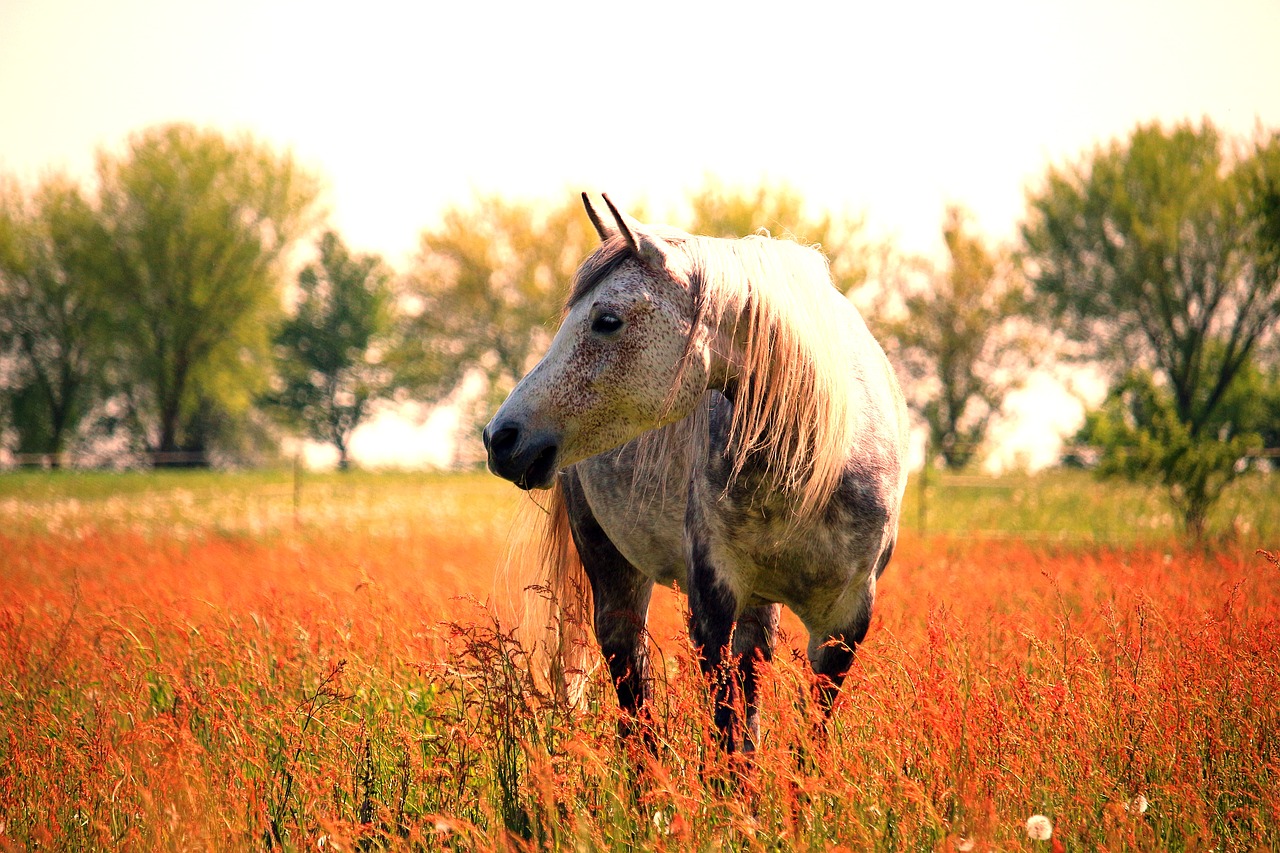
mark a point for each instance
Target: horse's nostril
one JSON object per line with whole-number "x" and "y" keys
{"x": 503, "y": 440}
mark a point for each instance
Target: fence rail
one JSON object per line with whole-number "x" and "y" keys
{"x": 148, "y": 459}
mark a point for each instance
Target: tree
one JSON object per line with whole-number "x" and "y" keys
{"x": 330, "y": 353}
{"x": 54, "y": 313}
{"x": 955, "y": 333}
{"x": 484, "y": 296}
{"x": 200, "y": 225}
{"x": 1157, "y": 257}
{"x": 718, "y": 211}
{"x": 1143, "y": 436}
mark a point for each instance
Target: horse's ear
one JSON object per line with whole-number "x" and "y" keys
{"x": 648, "y": 249}
{"x": 603, "y": 230}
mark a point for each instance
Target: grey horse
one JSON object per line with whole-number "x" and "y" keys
{"x": 715, "y": 414}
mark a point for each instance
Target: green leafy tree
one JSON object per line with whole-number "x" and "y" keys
{"x": 1144, "y": 437}
{"x": 200, "y": 225}
{"x": 959, "y": 336}
{"x": 330, "y": 352}
{"x": 54, "y": 313}
{"x": 719, "y": 211}
{"x": 483, "y": 299}
{"x": 1157, "y": 256}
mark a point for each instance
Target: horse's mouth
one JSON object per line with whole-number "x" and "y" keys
{"x": 541, "y": 471}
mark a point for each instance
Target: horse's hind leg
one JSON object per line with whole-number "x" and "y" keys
{"x": 620, "y": 596}
{"x": 831, "y": 654}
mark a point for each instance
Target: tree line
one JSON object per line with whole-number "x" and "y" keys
{"x": 160, "y": 316}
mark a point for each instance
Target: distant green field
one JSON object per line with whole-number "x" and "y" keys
{"x": 254, "y": 503}
{"x": 1053, "y": 505}
{"x": 1077, "y": 505}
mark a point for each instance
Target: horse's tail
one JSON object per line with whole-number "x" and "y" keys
{"x": 555, "y": 600}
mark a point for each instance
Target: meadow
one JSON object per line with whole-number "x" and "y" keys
{"x": 258, "y": 660}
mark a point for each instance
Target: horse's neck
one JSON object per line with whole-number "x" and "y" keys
{"x": 729, "y": 331}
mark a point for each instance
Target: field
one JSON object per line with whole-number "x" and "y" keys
{"x": 246, "y": 661}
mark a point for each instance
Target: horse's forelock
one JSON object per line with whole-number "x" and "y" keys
{"x": 598, "y": 266}
{"x": 611, "y": 254}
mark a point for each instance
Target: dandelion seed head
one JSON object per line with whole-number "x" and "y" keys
{"x": 1039, "y": 828}
{"x": 1138, "y": 805}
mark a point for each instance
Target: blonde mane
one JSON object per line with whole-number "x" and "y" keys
{"x": 794, "y": 357}
{"x": 793, "y": 398}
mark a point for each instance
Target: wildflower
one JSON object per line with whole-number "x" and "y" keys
{"x": 1137, "y": 805}
{"x": 1039, "y": 828}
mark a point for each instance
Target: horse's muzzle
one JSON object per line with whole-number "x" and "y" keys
{"x": 525, "y": 457}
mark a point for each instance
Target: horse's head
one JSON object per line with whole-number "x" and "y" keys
{"x": 623, "y": 362}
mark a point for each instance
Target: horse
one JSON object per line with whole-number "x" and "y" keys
{"x": 712, "y": 413}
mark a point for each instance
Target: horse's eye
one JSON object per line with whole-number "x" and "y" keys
{"x": 606, "y": 324}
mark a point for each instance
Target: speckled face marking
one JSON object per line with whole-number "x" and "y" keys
{"x": 619, "y": 366}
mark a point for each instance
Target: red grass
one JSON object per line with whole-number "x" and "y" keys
{"x": 220, "y": 692}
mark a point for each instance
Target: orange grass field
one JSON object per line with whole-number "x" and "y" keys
{"x": 181, "y": 669}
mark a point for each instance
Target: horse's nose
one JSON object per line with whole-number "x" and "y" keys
{"x": 526, "y": 457}
{"x": 499, "y": 442}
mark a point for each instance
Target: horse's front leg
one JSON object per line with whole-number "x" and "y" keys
{"x": 712, "y": 611}
{"x": 729, "y": 653}
{"x": 753, "y": 639}
{"x": 620, "y": 596}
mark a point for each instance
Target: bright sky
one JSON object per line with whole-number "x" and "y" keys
{"x": 890, "y": 110}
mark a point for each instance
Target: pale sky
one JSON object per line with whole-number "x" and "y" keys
{"x": 890, "y": 111}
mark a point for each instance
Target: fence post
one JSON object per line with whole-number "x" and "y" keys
{"x": 922, "y": 505}
{"x": 297, "y": 486}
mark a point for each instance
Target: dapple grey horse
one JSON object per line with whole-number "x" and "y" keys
{"x": 715, "y": 414}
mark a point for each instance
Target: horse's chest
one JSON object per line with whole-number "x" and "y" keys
{"x": 645, "y": 524}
